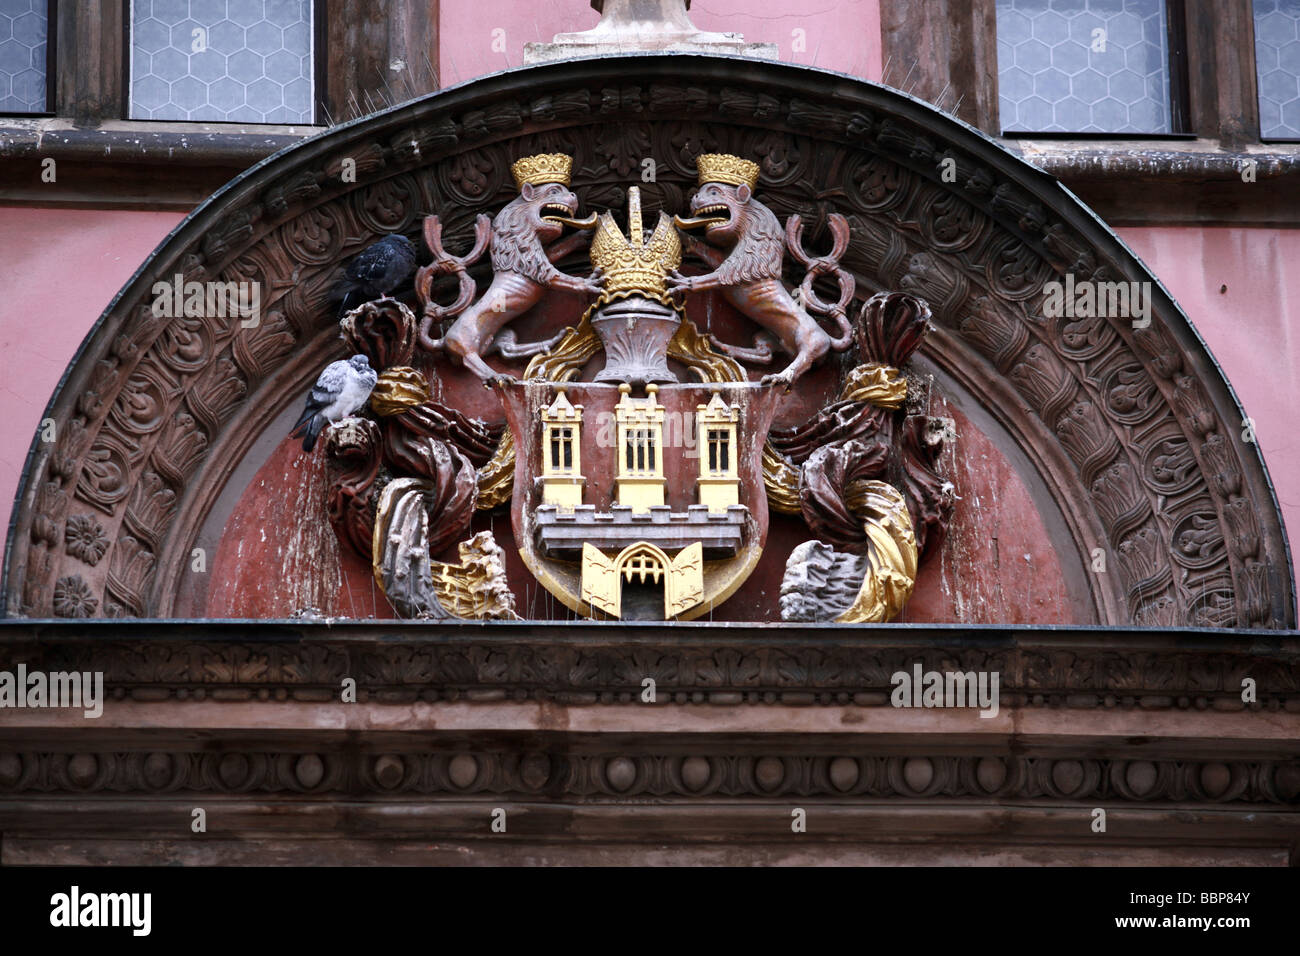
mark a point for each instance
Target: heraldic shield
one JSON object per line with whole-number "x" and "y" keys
{"x": 640, "y": 502}
{"x": 637, "y": 456}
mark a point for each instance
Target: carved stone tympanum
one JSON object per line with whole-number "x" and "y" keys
{"x": 1127, "y": 438}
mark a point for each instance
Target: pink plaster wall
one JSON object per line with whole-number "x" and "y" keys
{"x": 1241, "y": 289}
{"x": 59, "y": 269}
{"x": 839, "y": 35}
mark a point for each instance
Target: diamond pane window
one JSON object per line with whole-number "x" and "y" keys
{"x": 1083, "y": 66}
{"x": 1277, "y": 66}
{"x": 244, "y": 61}
{"x": 24, "y": 28}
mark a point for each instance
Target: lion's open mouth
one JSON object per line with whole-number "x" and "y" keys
{"x": 558, "y": 212}
{"x": 704, "y": 216}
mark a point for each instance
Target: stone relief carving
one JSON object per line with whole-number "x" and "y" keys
{"x": 398, "y": 499}
{"x": 674, "y": 772}
{"x": 153, "y": 397}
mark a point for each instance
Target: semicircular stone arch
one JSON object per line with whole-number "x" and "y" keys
{"x": 1132, "y": 431}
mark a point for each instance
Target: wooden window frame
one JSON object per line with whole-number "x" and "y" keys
{"x": 1223, "y": 95}
{"x": 99, "y": 151}
{"x": 941, "y": 45}
{"x": 318, "y": 67}
{"x": 88, "y": 74}
{"x": 361, "y": 47}
{"x": 1177, "y": 67}
{"x": 90, "y": 67}
{"x": 945, "y": 52}
{"x": 51, "y": 58}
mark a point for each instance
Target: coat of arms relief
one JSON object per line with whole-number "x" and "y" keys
{"x": 638, "y": 455}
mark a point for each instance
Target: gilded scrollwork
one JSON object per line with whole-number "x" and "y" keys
{"x": 890, "y": 575}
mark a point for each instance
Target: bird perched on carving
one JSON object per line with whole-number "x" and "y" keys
{"x": 342, "y": 388}
{"x": 377, "y": 270}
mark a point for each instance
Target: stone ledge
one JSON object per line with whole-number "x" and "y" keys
{"x": 1177, "y": 182}
{"x": 147, "y": 142}
{"x": 541, "y": 719}
{"x": 1149, "y": 160}
{"x": 132, "y": 164}
{"x": 26, "y": 849}
{"x": 264, "y": 828}
{"x": 1079, "y": 668}
{"x": 607, "y": 768}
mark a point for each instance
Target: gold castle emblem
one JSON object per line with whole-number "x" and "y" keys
{"x": 633, "y": 264}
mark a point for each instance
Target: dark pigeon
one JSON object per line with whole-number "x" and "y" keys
{"x": 377, "y": 270}
{"x": 341, "y": 389}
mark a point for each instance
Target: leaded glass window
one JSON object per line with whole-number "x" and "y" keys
{"x": 1083, "y": 66}
{"x": 246, "y": 61}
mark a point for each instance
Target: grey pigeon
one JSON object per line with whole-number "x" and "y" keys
{"x": 341, "y": 389}
{"x": 375, "y": 271}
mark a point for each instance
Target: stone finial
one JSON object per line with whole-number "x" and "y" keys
{"x": 630, "y": 26}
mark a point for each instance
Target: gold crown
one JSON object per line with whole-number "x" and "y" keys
{"x": 725, "y": 168}
{"x": 630, "y": 264}
{"x": 542, "y": 168}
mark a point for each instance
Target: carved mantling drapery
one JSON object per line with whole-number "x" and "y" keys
{"x": 1134, "y": 433}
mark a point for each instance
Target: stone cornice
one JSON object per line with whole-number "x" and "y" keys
{"x": 456, "y": 724}
{"x": 1073, "y": 667}
{"x": 129, "y": 163}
